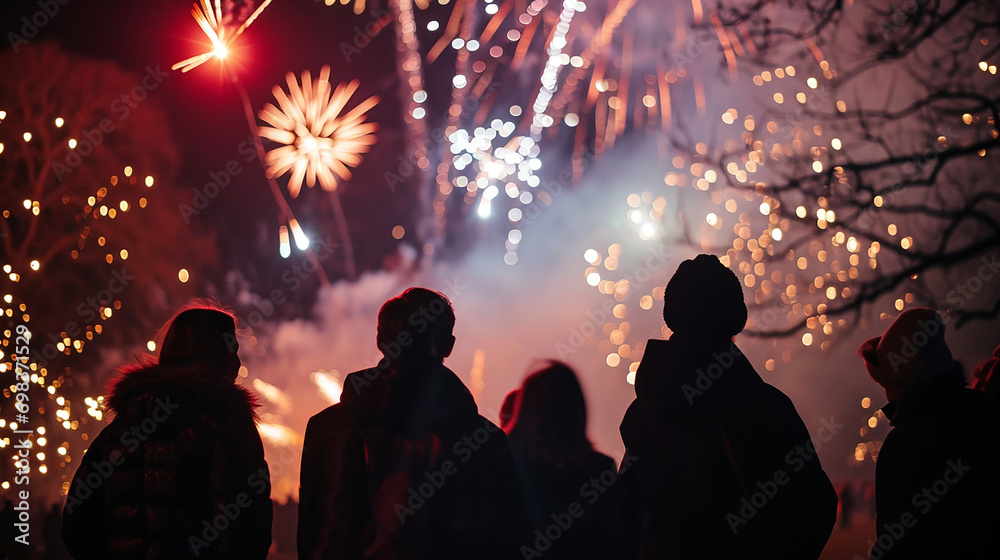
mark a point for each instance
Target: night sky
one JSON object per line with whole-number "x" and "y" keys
{"x": 208, "y": 120}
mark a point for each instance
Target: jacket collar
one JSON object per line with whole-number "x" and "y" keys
{"x": 196, "y": 384}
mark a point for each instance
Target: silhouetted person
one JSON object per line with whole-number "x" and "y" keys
{"x": 986, "y": 378}
{"x": 846, "y": 505}
{"x": 507, "y": 410}
{"x": 868, "y": 497}
{"x": 180, "y": 472}
{"x": 567, "y": 483}
{"x": 937, "y": 489}
{"x": 8, "y": 531}
{"x": 55, "y": 549}
{"x": 718, "y": 463}
{"x": 285, "y": 525}
{"x": 404, "y": 467}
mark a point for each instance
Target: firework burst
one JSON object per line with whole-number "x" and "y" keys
{"x": 221, "y": 26}
{"x": 319, "y": 141}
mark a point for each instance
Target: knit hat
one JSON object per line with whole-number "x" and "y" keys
{"x": 911, "y": 353}
{"x": 704, "y": 298}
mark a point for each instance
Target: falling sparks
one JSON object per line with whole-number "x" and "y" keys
{"x": 611, "y": 273}
{"x": 552, "y": 66}
{"x": 278, "y": 434}
{"x": 301, "y": 240}
{"x": 273, "y": 394}
{"x": 284, "y": 247}
{"x": 492, "y": 160}
{"x": 328, "y": 384}
{"x": 319, "y": 141}
{"x": 221, "y": 28}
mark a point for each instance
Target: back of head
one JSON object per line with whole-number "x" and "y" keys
{"x": 201, "y": 337}
{"x": 416, "y": 324}
{"x": 911, "y": 354}
{"x": 704, "y": 299}
{"x": 550, "y": 418}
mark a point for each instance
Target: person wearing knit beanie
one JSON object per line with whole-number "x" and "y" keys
{"x": 705, "y": 430}
{"x": 704, "y": 299}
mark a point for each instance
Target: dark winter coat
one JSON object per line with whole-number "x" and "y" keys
{"x": 718, "y": 463}
{"x": 405, "y": 468}
{"x": 571, "y": 508}
{"x": 937, "y": 478}
{"x": 178, "y": 473}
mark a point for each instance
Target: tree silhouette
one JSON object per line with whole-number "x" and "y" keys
{"x": 92, "y": 238}
{"x": 874, "y": 160}
{"x": 91, "y": 242}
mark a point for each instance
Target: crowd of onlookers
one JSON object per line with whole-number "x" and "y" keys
{"x": 718, "y": 463}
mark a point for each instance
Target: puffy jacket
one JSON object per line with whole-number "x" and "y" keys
{"x": 178, "y": 473}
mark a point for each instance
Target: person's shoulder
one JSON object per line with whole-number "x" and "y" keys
{"x": 772, "y": 395}
{"x": 360, "y": 384}
{"x": 769, "y": 406}
{"x": 354, "y": 393}
{"x": 657, "y": 356}
{"x": 634, "y": 410}
{"x": 979, "y": 402}
{"x": 657, "y": 348}
{"x": 455, "y": 382}
{"x": 325, "y": 417}
{"x": 977, "y": 409}
{"x": 455, "y": 396}
{"x": 600, "y": 461}
{"x": 635, "y": 423}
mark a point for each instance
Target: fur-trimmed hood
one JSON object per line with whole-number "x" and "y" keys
{"x": 197, "y": 386}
